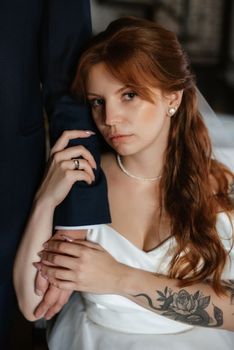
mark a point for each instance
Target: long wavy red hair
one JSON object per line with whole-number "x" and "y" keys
{"x": 194, "y": 187}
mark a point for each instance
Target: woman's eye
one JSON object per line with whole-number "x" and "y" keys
{"x": 129, "y": 95}
{"x": 97, "y": 102}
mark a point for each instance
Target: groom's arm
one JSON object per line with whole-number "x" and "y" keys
{"x": 66, "y": 27}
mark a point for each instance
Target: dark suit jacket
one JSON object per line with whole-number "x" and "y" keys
{"x": 40, "y": 41}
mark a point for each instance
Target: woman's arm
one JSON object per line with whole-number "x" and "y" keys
{"x": 60, "y": 177}
{"x": 195, "y": 305}
{"x": 38, "y": 231}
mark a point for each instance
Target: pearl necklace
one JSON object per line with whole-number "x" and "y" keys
{"x": 125, "y": 171}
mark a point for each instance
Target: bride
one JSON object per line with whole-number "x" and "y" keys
{"x": 161, "y": 275}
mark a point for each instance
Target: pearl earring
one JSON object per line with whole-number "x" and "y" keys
{"x": 171, "y": 111}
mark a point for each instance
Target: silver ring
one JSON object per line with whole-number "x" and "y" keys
{"x": 76, "y": 163}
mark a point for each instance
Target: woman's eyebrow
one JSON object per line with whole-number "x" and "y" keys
{"x": 116, "y": 92}
{"x": 92, "y": 94}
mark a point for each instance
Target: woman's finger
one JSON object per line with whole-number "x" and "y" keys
{"x": 50, "y": 273}
{"x": 58, "y": 260}
{"x": 75, "y": 152}
{"x": 79, "y": 175}
{"x": 83, "y": 243}
{"x": 63, "y": 248}
{"x": 62, "y": 300}
{"x": 66, "y": 285}
{"x": 68, "y": 135}
{"x": 82, "y": 165}
{"x": 53, "y": 310}
{"x": 73, "y": 234}
{"x": 50, "y": 298}
{"x": 41, "y": 284}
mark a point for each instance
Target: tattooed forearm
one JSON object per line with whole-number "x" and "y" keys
{"x": 185, "y": 307}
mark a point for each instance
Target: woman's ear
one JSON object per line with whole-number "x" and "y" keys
{"x": 175, "y": 99}
{"x": 173, "y": 102}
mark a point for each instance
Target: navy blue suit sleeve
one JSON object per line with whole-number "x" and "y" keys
{"x": 66, "y": 26}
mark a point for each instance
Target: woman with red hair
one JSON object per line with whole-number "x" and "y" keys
{"x": 161, "y": 275}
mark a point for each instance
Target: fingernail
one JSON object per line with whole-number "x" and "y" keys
{"x": 40, "y": 254}
{"x": 89, "y": 132}
{"x": 45, "y": 245}
{"x": 69, "y": 239}
{"x": 38, "y": 292}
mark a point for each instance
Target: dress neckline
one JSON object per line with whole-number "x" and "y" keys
{"x": 158, "y": 247}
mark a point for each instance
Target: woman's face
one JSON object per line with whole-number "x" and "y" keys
{"x": 128, "y": 123}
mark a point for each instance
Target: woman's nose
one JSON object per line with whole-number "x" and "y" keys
{"x": 112, "y": 114}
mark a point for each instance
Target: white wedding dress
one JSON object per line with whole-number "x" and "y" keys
{"x": 112, "y": 322}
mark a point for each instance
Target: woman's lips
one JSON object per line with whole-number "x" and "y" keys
{"x": 119, "y": 137}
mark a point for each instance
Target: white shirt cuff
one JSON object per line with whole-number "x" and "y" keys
{"x": 86, "y": 227}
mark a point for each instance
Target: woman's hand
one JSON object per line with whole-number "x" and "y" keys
{"x": 53, "y": 298}
{"x": 82, "y": 266}
{"x": 52, "y": 302}
{"x": 62, "y": 172}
